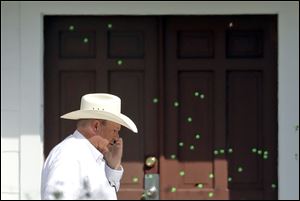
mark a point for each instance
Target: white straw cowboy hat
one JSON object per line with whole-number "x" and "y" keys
{"x": 101, "y": 106}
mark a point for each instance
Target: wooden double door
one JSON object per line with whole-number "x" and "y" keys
{"x": 201, "y": 89}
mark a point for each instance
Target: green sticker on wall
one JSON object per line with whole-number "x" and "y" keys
{"x": 135, "y": 179}
{"x": 173, "y": 190}
{"x": 197, "y": 136}
{"x": 240, "y": 169}
{"x": 176, "y": 104}
{"x": 189, "y": 119}
{"x": 85, "y": 40}
{"x": 192, "y": 147}
{"x": 155, "y": 100}
{"x": 71, "y": 28}
{"x": 199, "y": 185}
{"x": 149, "y": 176}
{"x": 181, "y": 173}
{"x": 119, "y": 62}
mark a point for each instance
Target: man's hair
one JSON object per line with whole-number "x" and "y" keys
{"x": 85, "y": 122}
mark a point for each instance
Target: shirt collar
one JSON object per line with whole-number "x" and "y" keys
{"x": 96, "y": 154}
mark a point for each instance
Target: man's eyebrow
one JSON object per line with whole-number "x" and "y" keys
{"x": 117, "y": 128}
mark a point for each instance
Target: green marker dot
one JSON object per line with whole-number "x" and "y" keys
{"x": 71, "y": 28}
{"x": 266, "y": 152}
{"x": 230, "y": 150}
{"x": 182, "y": 173}
{"x": 222, "y": 151}
{"x": 210, "y": 194}
{"x": 135, "y": 179}
{"x": 196, "y": 93}
{"x": 173, "y": 156}
{"x": 176, "y": 104}
{"x": 189, "y": 119}
{"x": 265, "y": 157}
{"x": 229, "y": 179}
{"x": 240, "y": 169}
{"x": 259, "y": 152}
{"x": 199, "y": 186}
{"x": 150, "y": 176}
{"x": 85, "y": 40}
{"x": 119, "y": 62}
{"x": 173, "y": 190}
{"x": 109, "y": 25}
{"x": 216, "y": 152}
{"x": 274, "y": 186}
{"x": 202, "y": 96}
{"x": 211, "y": 175}
{"x": 197, "y": 136}
{"x": 155, "y": 100}
{"x": 181, "y": 144}
{"x": 192, "y": 147}
{"x": 254, "y": 150}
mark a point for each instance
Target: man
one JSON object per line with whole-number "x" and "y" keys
{"x": 87, "y": 164}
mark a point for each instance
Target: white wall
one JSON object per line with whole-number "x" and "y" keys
{"x": 22, "y": 81}
{"x": 10, "y": 104}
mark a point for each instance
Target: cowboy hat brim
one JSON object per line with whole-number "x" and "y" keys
{"x": 96, "y": 114}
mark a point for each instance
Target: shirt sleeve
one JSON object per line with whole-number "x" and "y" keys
{"x": 114, "y": 176}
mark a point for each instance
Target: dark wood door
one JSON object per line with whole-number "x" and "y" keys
{"x": 202, "y": 91}
{"x": 220, "y": 108}
{"x": 98, "y": 55}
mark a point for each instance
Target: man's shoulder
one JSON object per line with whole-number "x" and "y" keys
{"x": 69, "y": 147}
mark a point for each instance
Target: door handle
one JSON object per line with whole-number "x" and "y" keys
{"x": 150, "y": 194}
{"x": 150, "y": 161}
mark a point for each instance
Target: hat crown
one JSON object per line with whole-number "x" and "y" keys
{"x": 101, "y": 102}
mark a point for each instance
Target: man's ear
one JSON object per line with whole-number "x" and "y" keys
{"x": 95, "y": 125}
{"x": 98, "y": 125}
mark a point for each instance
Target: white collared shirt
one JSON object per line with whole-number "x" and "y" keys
{"x": 75, "y": 169}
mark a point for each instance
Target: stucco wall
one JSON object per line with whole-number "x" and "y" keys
{"x": 22, "y": 81}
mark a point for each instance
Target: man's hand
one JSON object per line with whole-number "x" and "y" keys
{"x": 100, "y": 143}
{"x": 114, "y": 154}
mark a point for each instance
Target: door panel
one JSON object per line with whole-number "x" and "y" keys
{"x": 123, "y": 84}
{"x": 70, "y": 87}
{"x": 219, "y": 70}
{"x": 99, "y": 55}
{"x": 245, "y": 129}
{"x": 198, "y": 75}
{"x": 201, "y": 89}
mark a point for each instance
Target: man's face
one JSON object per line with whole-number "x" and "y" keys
{"x": 110, "y": 131}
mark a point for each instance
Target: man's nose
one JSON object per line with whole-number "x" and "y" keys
{"x": 116, "y": 136}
